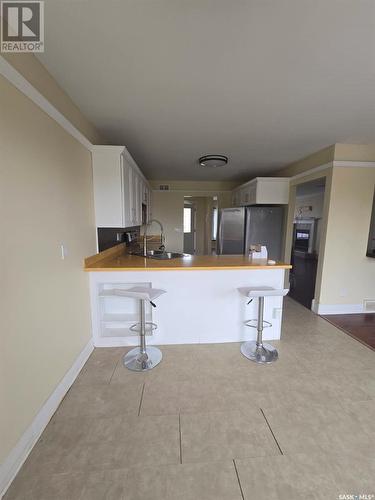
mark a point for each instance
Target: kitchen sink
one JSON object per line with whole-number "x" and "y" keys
{"x": 167, "y": 255}
{"x": 162, "y": 255}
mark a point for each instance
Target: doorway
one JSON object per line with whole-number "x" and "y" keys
{"x": 200, "y": 224}
{"x": 189, "y": 226}
{"x": 307, "y": 228}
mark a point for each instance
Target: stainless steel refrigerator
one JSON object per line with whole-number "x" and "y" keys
{"x": 238, "y": 228}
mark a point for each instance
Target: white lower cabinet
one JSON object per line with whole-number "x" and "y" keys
{"x": 119, "y": 188}
{"x": 219, "y": 310}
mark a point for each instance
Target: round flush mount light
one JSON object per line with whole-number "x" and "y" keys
{"x": 213, "y": 161}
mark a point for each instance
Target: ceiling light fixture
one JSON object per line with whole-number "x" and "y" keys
{"x": 213, "y": 161}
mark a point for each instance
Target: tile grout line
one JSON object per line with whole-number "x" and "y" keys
{"x": 238, "y": 479}
{"x": 141, "y": 401}
{"x": 179, "y": 428}
{"x": 270, "y": 428}
{"x": 114, "y": 369}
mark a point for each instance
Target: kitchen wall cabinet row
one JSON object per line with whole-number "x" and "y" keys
{"x": 122, "y": 195}
{"x": 262, "y": 191}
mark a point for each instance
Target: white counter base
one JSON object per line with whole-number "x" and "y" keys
{"x": 199, "y": 306}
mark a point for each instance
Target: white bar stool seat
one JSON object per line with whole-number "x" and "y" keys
{"x": 144, "y": 357}
{"x": 256, "y": 350}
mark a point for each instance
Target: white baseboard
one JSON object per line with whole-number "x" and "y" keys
{"x": 326, "y": 309}
{"x": 126, "y": 342}
{"x": 15, "y": 459}
{"x": 118, "y": 341}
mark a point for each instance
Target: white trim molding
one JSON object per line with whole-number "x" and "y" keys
{"x": 335, "y": 163}
{"x": 327, "y": 309}
{"x": 192, "y": 192}
{"x": 357, "y": 164}
{"x": 14, "y": 461}
{"x": 312, "y": 170}
{"x": 24, "y": 86}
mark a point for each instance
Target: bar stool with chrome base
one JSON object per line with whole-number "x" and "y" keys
{"x": 144, "y": 357}
{"x": 256, "y": 350}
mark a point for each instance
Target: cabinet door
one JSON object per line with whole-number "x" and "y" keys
{"x": 141, "y": 194}
{"x": 137, "y": 200}
{"x": 235, "y": 201}
{"x": 107, "y": 179}
{"x": 251, "y": 194}
{"x": 144, "y": 192}
{"x": 131, "y": 196}
{"x": 149, "y": 204}
{"x": 134, "y": 197}
{"x": 243, "y": 197}
{"x": 127, "y": 193}
{"x": 146, "y": 200}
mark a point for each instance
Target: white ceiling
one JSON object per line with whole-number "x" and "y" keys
{"x": 265, "y": 82}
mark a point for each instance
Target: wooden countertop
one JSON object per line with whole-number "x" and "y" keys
{"x": 114, "y": 259}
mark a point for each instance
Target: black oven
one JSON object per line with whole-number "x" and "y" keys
{"x": 301, "y": 239}
{"x": 304, "y": 235}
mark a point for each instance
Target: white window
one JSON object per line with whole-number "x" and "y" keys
{"x": 187, "y": 220}
{"x": 214, "y": 223}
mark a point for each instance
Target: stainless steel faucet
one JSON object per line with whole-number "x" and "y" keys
{"x": 162, "y": 246}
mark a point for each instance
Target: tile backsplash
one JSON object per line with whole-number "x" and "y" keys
{"x": 111, "y": 236}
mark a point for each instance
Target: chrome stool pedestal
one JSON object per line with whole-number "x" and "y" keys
{"x": 257, "y": 350}
{"x": 142, "y": 358}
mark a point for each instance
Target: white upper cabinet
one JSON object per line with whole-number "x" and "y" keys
{"x": 262, "y": 191}
{"x": 137, "y": 205}
{"x": 119, "y": 188}
{"x": 128, "y": 194}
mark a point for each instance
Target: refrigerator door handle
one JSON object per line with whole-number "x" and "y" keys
{"x": 220, "y": 235}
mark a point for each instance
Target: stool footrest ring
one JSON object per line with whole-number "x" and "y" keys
{"x": 149, "y": 327}
{"x": 266, "y": 324}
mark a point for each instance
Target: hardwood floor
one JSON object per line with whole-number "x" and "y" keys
{"x": 359, "y": 326}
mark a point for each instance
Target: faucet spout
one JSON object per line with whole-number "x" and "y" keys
{"x": 162, "y": 247}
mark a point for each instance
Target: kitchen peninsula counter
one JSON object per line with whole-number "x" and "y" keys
{"x": 115, "y": 259}
{"x": 202, "y": 303}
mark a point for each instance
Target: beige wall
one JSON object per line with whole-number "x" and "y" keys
{"x": 345, "y": 275}
{"x": 195, "y": 185}
{"x": 348, "y": 275}
{"x": 31, "y": 69}
{"x": 167, "y": 206}
{"x": 314, "y": 160}
{"x": 203, "y": 206}
{"x": 337, "y": 152}
{"x": 46, "y": 199}
{"x": 355, "y": 152}
{"x": 315, "y": 201}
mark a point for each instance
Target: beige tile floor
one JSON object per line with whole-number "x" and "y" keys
{"x": 207, "y": 424}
